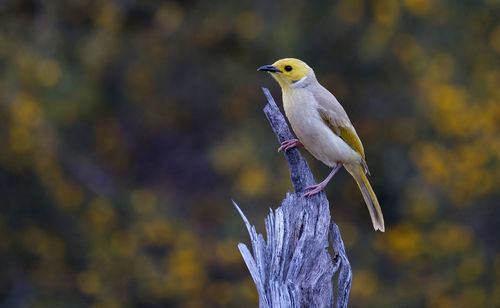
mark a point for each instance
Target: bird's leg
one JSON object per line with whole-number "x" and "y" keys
{"x": 319, "y": 187}
{"x": 290, "y": 144}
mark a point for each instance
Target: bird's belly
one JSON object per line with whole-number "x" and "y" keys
{"x": 318, "y": 138}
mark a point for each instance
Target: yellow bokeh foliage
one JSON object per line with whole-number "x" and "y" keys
{"x": 127, "y": 127}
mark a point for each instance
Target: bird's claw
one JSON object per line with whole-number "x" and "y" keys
{"x": 290, "y": 144}
{"x": 315, "y": 190}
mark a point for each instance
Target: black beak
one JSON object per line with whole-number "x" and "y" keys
{"x": 269, "y": 68}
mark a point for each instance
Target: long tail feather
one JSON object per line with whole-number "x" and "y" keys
{"x": 370, "y": 199}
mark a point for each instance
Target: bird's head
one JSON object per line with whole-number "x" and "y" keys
{"x": 289, "y": 72}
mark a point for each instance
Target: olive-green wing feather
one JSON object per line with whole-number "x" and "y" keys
{"x": 334, "y": 115}
{"x": 347, "y": 133}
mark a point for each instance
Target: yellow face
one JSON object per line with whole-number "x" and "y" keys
{"x": 288, "y": 71}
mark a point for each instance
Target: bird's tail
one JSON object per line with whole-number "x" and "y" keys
{"x": 371, "y": 200}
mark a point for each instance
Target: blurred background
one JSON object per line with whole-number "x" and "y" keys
{"x": 126, "y": 128}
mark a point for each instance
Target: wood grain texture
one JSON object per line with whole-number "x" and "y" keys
{"x": 292, "y": 267}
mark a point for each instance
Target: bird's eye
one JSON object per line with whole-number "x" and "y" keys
{"x": 288, "y": 68}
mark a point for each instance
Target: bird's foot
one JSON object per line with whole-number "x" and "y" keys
{"x": 314, "y": 189}
{"x": 290, "y": 144}
{"x": 319, "y": 187}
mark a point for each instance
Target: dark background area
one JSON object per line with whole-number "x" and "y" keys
{"x": 126, "y": 128}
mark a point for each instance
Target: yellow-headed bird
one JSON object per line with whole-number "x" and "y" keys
{"x": 323, "y": 128}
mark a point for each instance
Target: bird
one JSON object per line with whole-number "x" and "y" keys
{"x": 323, "y": 128}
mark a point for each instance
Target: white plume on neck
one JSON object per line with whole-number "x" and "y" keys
{"x": 301, "y": 80}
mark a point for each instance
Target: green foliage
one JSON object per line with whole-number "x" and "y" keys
{"x": 127, "y": 126}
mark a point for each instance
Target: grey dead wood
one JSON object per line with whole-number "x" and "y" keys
{"x": 292, "y": 267}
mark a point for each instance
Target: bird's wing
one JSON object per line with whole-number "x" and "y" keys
{"x": 336, "y": 118}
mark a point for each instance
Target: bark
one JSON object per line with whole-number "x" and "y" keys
{"x": 293, "y": 267}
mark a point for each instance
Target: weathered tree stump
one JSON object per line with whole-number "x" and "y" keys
{"x": 293, "y": 268}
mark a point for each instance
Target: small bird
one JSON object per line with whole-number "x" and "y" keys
{"x": 323, "y": 128}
